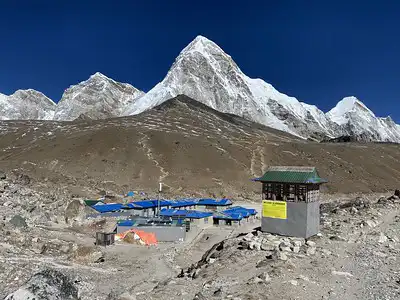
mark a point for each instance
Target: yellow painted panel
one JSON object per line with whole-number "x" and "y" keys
{"x": 274, "y": 209}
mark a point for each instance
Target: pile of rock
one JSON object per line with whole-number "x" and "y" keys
{"x": 47, "y": 284}
{"x": 276, "y": 246}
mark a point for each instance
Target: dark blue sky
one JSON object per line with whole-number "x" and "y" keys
{"x": 317, "y": 51}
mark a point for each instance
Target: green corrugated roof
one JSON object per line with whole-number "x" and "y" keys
{"x": 291, "y": 175}
{"x": 91, "y": 202}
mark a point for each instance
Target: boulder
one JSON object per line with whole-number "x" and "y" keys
{"x": 397, "y": 193}
{"x": 47, "y": 284}
{"x": 2, "y": 175}
{"x": 74, "y": 211}
{"x": 18, "y": 221}
{"x": 268, "y": 246}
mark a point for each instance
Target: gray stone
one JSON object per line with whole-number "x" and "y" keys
{"x": 294, "y": 282}
{"x": 344, "y": 274}
{"x": 18, "y": 221}
{"x": 296, "y": 249}
{"x": 382, "y": 238}
{"x": 264, "y": 277}
{"x": 268, "y": 246}
{"x": 255, "y": 245}
{"x": 47, "y": 284}
{"x": 311, "y": 251}
{"x": 310, "y": 243}
{"x": 248, "y": 237}
{"x": 280, "y": 255}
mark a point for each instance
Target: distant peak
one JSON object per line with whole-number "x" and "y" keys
{"x": 345, "y": 106}
{"x": 202, "y": 44}
{"x": 99, "y": 75}
{"x": 350, "y": 103}
{"x": 202, "y": 39}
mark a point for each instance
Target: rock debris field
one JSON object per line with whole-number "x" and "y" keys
{"x": 47, "y": 252}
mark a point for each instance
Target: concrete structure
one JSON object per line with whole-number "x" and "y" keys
{"x": 291, "y": 201}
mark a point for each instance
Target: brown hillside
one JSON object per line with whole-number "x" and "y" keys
{"x": 188, "y": 146}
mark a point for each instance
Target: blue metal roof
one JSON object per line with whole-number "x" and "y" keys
{"x": 108, "y": 207}
{"x": 192, "y": 214}
{"x": 228, "y": 216}
{"x": 244, "y": 211}
{"x": 148, "y": 204}
{"x": 182, "y": 203}
{"x": 173, "y": 212}
{"x": 214, "y": 202}
{"x": 126, "y": 223}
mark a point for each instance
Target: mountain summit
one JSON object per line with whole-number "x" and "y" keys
{"x": 26, "y": 105}
{"x": 203, "y": 71}
{"x": 356, "y": 119}
{"x": 99, "y": 97}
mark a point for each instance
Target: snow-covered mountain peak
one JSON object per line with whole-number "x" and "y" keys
{"x": 204, "y": 72}
{"x": 349, "y": 105}
{"x": 25, "y": 105}
{"x": 98, "y": 97}
{"x": 33, "y": 95}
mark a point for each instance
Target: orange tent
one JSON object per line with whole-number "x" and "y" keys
{"x": 148, "y": 238}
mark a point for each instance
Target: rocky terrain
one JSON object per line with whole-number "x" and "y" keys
{"x": 43, "y": 256}
{"x": 204, "y": 72}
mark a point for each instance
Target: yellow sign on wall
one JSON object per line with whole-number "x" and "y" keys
{"x": 274, "y": 209}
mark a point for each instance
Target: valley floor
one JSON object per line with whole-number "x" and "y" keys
{"x": 354, "y": 257}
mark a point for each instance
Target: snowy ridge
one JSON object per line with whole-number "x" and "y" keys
{"x": 355, "y": 119}
{"x": 99, "y": 97}
{"x": 203, "y": 71}
{"x": 26, "y": 105}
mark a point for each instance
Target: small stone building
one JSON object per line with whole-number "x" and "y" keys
{"x": 291, "y": 201}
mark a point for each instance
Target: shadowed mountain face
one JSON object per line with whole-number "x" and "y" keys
{"x": 190, "y": 147}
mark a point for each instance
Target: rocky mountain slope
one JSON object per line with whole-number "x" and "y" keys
{"x": 99, "y": 97}
{"x": 190, "y": 147}
{"x": 204, "y": 72}
{"x": 26, "y": 105}
{"x": 357, "y": 120}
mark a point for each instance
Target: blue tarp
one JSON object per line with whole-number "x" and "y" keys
{"x": 214, "y": 202}
{"x": 108, "y": 207}
{"x": 130, "y": 194}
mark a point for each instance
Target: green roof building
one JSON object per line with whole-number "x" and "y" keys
{"x": 290, "y": 203}
{"x": 291, "y": 184}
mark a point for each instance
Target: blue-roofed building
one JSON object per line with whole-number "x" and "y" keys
{"x": 184, "y": 203}
{"x": 227, "y": 218}
{"x": 148, "y": 207}
{"x": 105, "y": 208}
{"x": 209, "y": 204}
{"x": 247, "y": 213}
{"x": 198, "y": 218}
